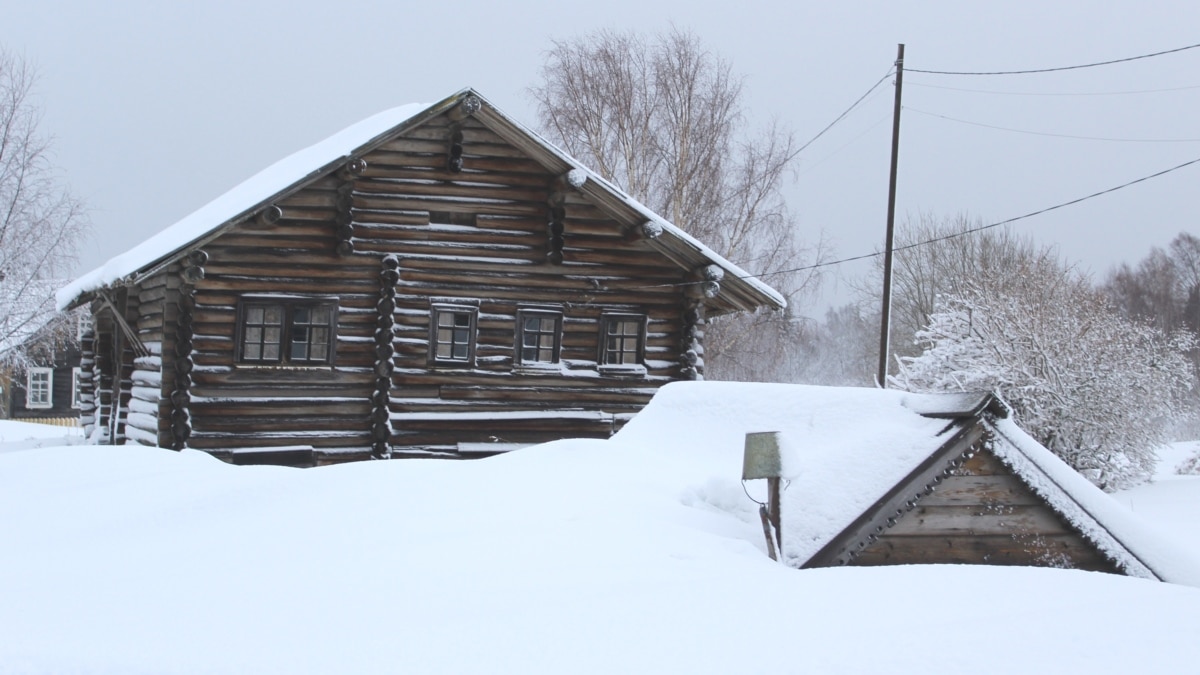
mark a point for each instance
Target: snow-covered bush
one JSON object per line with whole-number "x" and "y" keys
{"x": 1097, "y": 389}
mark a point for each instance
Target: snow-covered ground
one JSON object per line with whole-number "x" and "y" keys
{"x": 16, "y": 436}
{"x": 627, "y": 555}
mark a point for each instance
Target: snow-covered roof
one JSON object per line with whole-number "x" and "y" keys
{"x": 845, "y": 448}
{"x": 1137, "y": 546}
{"x": 308, "y": 164}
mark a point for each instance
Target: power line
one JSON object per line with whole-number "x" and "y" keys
{"x": 972, "y": 230}
{"x": 847, "y": 112}
{"x": 1044, "y": 133}
{"x": 1052, "y": 70}
{"x": 852, "y": 141}
{"x": 1055, "y": 93}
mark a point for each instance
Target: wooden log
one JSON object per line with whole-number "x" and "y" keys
{"x": 391, "y": 202}
{"x": 486, "y": 194}
{"x": 1050, "y": 551}
{"x": 438, "y": 173}
{"x": 469, "y": 105}
{"x": 979, "y": 520}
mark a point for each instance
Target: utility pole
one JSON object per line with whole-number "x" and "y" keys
{"x": 885, "y": 321}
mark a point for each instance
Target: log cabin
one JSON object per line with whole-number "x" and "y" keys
{"x": 39, "y": 355}
{"x": 885, "y": 477}
{"x": 433, "y": 281}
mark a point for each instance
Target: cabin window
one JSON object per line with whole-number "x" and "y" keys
{"x": 452, "y": 338}
{"x": 84, "y": 325}
{"x": 538, "y": 336}
{"x": 76, "y": 387}
{"x": 39, "y": 386}
{"x": 622, "y": 342}
{"x": 288, "y": 332}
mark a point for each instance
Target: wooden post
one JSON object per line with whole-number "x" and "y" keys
{"x": 763, "y": 459}
{"x": 885, "y": 321}
{"x": 773, "y": 509}
{"x": 381, "y": 425}
{"x": 181, "y": 415}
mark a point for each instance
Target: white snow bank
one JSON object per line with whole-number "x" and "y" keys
{"x": 16, "y": 435}
{"x": 572, "y": 557}
{"x": 637, "y": 554}
{"x": 249, "y": 194}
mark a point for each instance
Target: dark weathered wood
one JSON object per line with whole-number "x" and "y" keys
{"x": 1042, "y": 551}
{"x": 981, "y": 490}
{"x": 480, "y": 231}
{"x": 979, "y": 519}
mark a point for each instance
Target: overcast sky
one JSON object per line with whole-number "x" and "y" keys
{"x": 158, "y": 107}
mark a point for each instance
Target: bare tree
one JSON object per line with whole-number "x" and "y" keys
{"x": 661, "y": 119}
{"x": 1164, "y": 288}
{"x": 41, "y": 223}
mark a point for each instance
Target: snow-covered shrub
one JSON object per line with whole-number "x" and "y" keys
{"x": 1189, "y": 466}
{"x": 1097, "y": 389}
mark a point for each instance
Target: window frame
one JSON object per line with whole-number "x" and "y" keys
{"x": 436, "y": 310}
{"x": 83, "y": 324}
{"x": 76, "y": 388}
{"x": 639, "y": 351}
{"x": 519, "y": 347}
{"x": 30, "y": 403}
{"x": 288, "y": 304}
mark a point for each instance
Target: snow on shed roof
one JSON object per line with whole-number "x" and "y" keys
{"x": 845, "y": 448}
{"x": 316, "y": 160}
{"x": 1137, "y": 546}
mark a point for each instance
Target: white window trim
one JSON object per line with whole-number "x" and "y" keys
{"x": 76, "y": 392}
{"x": 29, "y": 402}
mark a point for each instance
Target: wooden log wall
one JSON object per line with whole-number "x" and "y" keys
{"x": 982, "y": 513}
{"x": 87, "y": 379}
{"x": 480, "y": 227}
{"x": 501, "y": 234}
{"x": 145, "y": 420}
{"x": 103, "y": 327}
{"x": 233, "y": 405}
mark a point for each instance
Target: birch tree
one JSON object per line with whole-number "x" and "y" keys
{"x": 41, "y": 223}
{"x": 661, "y": 118}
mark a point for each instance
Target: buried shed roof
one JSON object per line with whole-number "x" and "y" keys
{"x": 846, "y": 449}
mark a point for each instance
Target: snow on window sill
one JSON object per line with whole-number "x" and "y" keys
{"x": 623, "y": 370}
{"x": 540, "y": 368}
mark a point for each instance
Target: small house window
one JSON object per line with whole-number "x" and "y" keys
{"x": 623, "y": 339}
{"x": 288, "y": 332}
{"x": 76, "y": 387}
{"x": 452, "y": 338}
{"x": 39, "y": 388}
{"x": 84, "y": 325}
{"x": 538, "y": 336}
